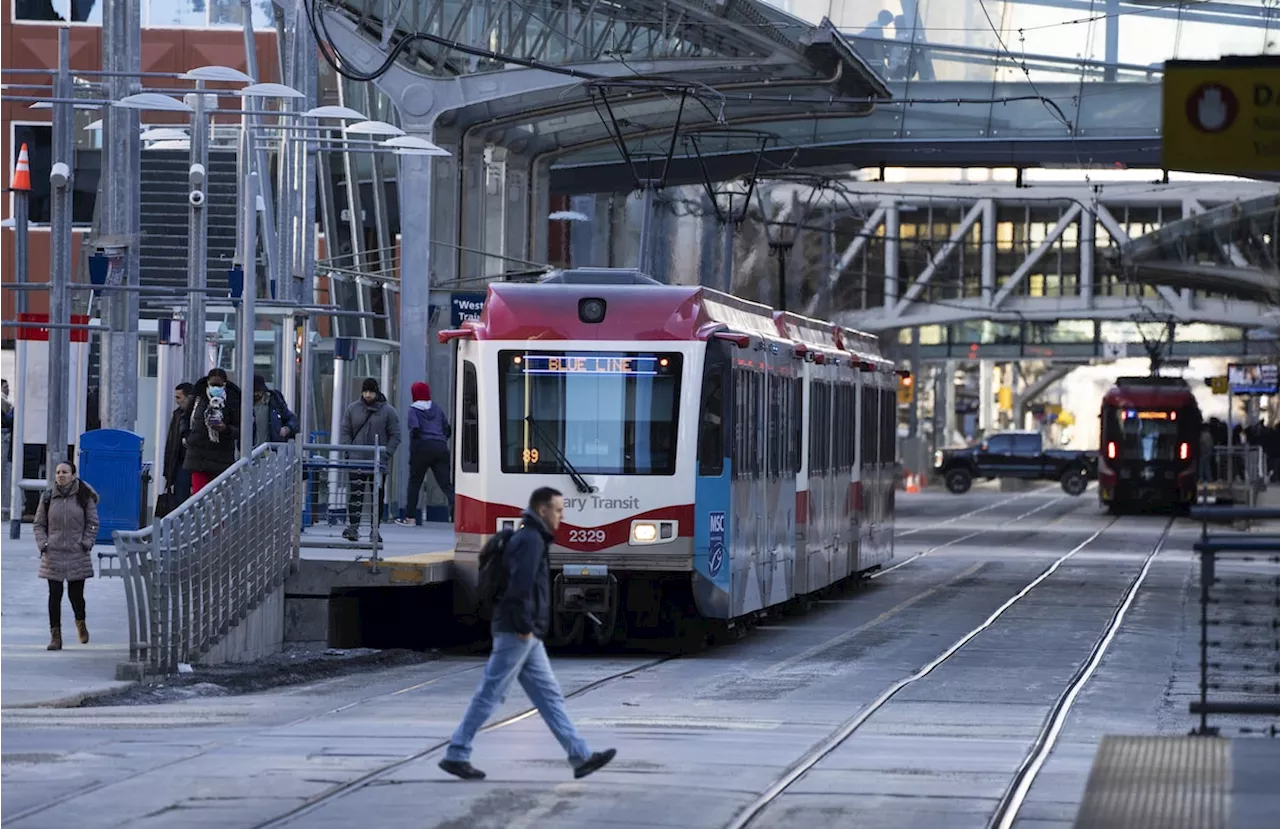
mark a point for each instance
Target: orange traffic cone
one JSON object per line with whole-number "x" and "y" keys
{"x": 913, "y": 484}
{"x": 22, "y": 172}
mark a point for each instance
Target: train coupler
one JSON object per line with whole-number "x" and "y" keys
{"x": 589, "y": 589}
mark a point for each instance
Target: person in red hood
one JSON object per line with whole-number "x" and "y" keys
{"x": 429, "y": 433}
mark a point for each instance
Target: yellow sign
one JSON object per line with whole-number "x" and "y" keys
{"x": 1219, "y": 384}
{"x": 1222, "y": 116}
{"x": 1005, "y": 398}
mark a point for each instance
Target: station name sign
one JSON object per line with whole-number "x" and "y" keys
{"x": 1222, "y": 116}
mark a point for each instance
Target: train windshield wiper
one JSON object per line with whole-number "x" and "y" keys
{"x": 578, "y": 481}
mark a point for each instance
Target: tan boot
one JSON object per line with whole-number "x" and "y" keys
{"x": 83, "y": 629}
{"x": 55, "y": 644}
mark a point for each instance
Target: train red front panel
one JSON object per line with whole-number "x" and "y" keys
{"x": 482, "y": 518}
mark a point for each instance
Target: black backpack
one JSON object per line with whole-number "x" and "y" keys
{"x": 492, "y": 582}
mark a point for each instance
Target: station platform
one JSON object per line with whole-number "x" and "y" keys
{"x": 1181, "y": 783}
{"x": 34, "y": 677}
{"x": 340, "y": 596}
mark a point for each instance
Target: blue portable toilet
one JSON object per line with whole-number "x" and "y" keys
{"x": 111, "y": 463}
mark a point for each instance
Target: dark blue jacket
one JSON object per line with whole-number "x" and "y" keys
{"x": 428, "y": 426}
{"x": 279, "y": 415}
{"x": 526, "y": 604}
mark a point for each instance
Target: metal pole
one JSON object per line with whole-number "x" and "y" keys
{"x": 913, "y": 411}
{"x": 132, "y": 64}
{"x": 646, "y": 228}
{"x": 195, "y": 359}
{"x": 305, "y": 398}
{"x": 60, "y": 265}
{"x": 121, "y": 217}
{"x": 245, "y": 346}
{"x": 164, "y": 385}
{"x": 21, "y": 248}
{"x": 726, "y": 251}
{"x": 337, "y": 504}
{"x": 257, "y": 159}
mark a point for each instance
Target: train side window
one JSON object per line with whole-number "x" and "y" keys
{"x": 711, "y": 426}
{"x": 739, "y": 421}
{"x": 470, "y": 419}
{"x": 796, "y": 420}
{"x": 889, "y": 408}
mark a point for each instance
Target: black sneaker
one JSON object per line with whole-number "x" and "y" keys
{"x": 463, "y": 769}
{"x": 595, "y": 762}
{"x": 351, "y": 533}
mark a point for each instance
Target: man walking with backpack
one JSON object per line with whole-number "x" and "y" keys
{"x": 521, "y": 619}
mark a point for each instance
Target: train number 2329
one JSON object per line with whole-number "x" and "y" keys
{"x": 586, "y": 536}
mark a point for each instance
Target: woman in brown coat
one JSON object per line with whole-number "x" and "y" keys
{"x": 66, "y": 525}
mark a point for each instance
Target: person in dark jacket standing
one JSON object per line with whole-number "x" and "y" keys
{"x": 367, "y": 421}
{"x": 522, "y": 618}
{"x": 215, "y": 428}
{"x": 177, "y": 480}
{"x": 272, "y": 420}
{"x": 429, "y": 433}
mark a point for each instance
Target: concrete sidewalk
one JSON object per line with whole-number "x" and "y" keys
{"x": 29, "y": 674}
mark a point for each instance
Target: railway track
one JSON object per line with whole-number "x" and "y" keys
{"x": 1041, "y": 746}
{"x": 344, "y": 789}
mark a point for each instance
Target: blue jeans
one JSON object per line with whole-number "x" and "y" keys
{"x": 526, "y": 659}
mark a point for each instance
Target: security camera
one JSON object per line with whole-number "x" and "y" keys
{"x": 60, "y": 175}
{"x": 195, "y": 176}
{"x": 196, "y": 198}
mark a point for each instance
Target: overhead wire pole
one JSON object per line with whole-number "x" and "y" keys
{"x": 248, "y": 326}
{"x": 61, "y": 179}
{"x": 121, "y": 215}
{"x": 195, "y": 357}
{"x": 20, "y": 186}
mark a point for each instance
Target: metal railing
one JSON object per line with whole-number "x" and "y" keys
{"x": 197, "y": 572}
{"x": 1239, "y": 622}
{"x": 340, "y": 484}
{"x": 1234, "y": 473}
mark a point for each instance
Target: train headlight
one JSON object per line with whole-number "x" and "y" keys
{"x": 644, "y": 533}
{"x": 662, "y": 531}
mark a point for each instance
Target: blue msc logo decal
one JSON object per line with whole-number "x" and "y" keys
{"x": 715, "y": 558}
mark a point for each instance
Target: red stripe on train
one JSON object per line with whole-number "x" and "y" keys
{"x": 481, "y": 517}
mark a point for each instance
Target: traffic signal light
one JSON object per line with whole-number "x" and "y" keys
{"x": 906, "y": 388}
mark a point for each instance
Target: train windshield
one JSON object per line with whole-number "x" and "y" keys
{"x": 607, "y": 413}
{"x": 1145, "y": 435}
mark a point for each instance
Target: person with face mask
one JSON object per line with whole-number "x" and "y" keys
{"x": 215, "y": 429}
{"x": 65, "y": 528}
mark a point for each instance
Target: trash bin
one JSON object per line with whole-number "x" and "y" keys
{"x": 111, "y": 462}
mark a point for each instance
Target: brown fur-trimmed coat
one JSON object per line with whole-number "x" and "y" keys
{"x": 65, "y": 531}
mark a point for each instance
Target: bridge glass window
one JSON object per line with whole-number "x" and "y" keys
{"x": 470, "y": 418}
{"x": 606, "y": 413}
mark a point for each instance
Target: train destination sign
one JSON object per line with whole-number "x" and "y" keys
{"x": 591, "y": 364}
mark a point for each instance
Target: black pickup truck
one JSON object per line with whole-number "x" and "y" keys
{"x": 1015, "y": 455}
